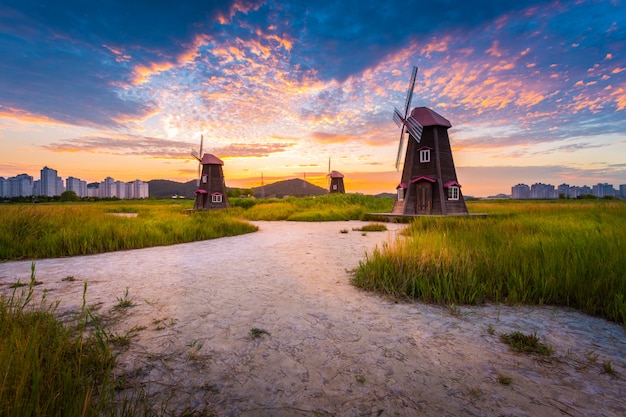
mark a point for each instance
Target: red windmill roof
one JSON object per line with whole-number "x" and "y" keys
{"x": 208, "y": 159}
{"x": 336, "y": 174}
{"x": 428, "y": 117}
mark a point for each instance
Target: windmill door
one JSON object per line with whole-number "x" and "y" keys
{"x": 424, "y": 192}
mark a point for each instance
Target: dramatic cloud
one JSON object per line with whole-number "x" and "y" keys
{"x": 275, "y": 84}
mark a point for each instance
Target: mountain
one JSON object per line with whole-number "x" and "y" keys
{"x": 167, "y": 188}
{"x": 293, "y": 188}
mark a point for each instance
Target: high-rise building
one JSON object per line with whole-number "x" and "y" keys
{"x": 20, "y": 185}
{"x": 622, "y": 190}
{"x": 77, "y": 185}
{"x": 520, "y": 192}
{"x": 541, "y": 191}
{"x": 4, "y": 187}
{"x": 107, "y": 188}
{"x": 51, "y": 184}
{"x": 603, "y": 190}
{"x": 138, "y": 189}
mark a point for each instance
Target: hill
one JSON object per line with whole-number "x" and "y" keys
{"x": 167, "y": 188}
{"x": 295, "y": 187}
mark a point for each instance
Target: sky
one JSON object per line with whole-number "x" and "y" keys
{"x": 535, "y": 90}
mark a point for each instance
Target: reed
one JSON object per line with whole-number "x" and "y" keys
{"x": 557, "y": 253}
{"x": 54, "y": 230}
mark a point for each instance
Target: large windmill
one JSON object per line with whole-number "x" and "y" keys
{"x": 429, "y": 183}
{"x": 335, "y": 181}
{"x": 211, "y": 192}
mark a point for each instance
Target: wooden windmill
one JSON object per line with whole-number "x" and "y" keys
{"x": 211, "y": 192}
{"x": 335, "y": 181}
{"x": 429, "y": 184}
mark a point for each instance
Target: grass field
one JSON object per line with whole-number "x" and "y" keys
{"x": 568, "y": 253}
{"x": 331, "y": 207}
{"x": 67, "y": 229}
{"x": 565, "y": 253}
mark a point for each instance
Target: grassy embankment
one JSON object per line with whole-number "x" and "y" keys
{"x": 331, "y": 207}
{"x": 567, "y": 253}
{"x": 67, "y": 229}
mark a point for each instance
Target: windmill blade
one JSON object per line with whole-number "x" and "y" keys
{"x": 195, "y": 154}
{"x": 409, "y": 93}
{"x": 201, "y": 144}
{"x": 415, "y": 128}
{"x": 400, "y": 149}
{"x": 397, "y": 117}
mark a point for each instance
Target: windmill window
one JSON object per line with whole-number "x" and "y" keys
{"x": 425, "y": 155}
{"x": 216, "y": 198}
{"x": 453, "y": 192}
{"x": 205, "y": 178}
{"x": 334, "y": 186}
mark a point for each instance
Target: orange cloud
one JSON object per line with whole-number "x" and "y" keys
{"x": 28, "y": 117}
{"x": 143, "y": 73}
{"x": 331, "y": 137}
{"x": 619, "y": 95}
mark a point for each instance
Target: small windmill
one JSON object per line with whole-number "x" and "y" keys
{"x": 211, "y": 192}
{"x": 429, "y": 183}
{"x": 335, "y": 181}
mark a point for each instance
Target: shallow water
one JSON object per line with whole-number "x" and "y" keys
{"x": 332, "y": 349}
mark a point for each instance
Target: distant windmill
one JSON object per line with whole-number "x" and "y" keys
{"x": 211, "y": 192}
{"x": 429, "y": 183}
{"x": 335, "y": 181}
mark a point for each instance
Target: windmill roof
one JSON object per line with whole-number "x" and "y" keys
{"x": 208, "y": 159}
{"x": 451, "y": 183}
{"x": 428, "y": 117}
{"x": 423, "y": 178}
{"x": 336, "y": 174}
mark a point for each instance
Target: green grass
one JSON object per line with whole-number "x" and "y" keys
{"x": 331, "y": 207}
{"x": 558, "y": 253}
{"x": 526, "y": 343}
{"x": 372, "y": 227}
{"x": 47, "y": 368}
{"x": 54, "y": 230}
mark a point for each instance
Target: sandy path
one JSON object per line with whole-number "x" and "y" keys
{"x": 332, "y": 349}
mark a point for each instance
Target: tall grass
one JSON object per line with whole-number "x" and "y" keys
{"x": 44, "y": 231}
{"x": 331, "y": 207}
{"x": 64, "y": 369}
{"x": 567, "y": 254}
{"x": 47, "y": 368}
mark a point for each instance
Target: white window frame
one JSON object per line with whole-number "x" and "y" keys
{"x": 216, "y": 198}
{"x": 205, "y": 178}
{"x": 453, "y": 192}
{"x": 424, "y": 155}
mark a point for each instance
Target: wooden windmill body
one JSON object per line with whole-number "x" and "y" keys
{"x": 429, "y": 185}
{"x": 336, "y": 182}
{"x": 211, "y": 192}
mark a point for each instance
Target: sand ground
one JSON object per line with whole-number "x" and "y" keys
{"x": 330, "y": 348}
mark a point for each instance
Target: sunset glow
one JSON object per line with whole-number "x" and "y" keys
{"x": 535, "y": 91}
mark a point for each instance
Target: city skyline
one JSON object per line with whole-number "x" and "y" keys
{"x": 51, "y": 184}
{"x": 535, "y": 91}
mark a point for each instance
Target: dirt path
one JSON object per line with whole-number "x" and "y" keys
{"x": 331, "y": 349}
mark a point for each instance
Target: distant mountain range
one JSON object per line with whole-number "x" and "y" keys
{"x": 293, "y": 187}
